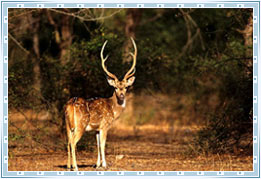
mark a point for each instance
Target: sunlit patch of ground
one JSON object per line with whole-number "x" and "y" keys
{"x": 147, "y": 148}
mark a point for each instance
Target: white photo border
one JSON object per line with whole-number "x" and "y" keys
{"x": 255, "y": 5}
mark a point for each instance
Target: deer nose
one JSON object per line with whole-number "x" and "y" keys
{"x": 121, "y": 96}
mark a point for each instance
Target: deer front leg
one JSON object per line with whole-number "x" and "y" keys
{"x": 69, "y": 156}
{"x": 98, "y": 164}
{"x": 103, "y": 135}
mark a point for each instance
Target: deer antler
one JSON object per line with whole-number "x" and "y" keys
{"x": 103, "y": 62}
{"x": 131, "y": 72}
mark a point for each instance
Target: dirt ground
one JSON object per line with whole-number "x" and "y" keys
{"x": 144, "y": 148}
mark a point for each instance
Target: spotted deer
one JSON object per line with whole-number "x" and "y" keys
{"x": 97, "y": 114}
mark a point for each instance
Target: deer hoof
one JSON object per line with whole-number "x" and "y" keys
{"x": 96, "y": 166}
{"x": 75, "y": 169}
{"x": 104, "y": 166}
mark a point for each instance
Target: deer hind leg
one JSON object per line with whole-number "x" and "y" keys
{"x": 76, "y": 137}
{"x": 98, "y": 163}
{"x": 69, "y": 138}
{"x": 69, "y": 156}
{"x": 103, "y": 136}
{"x": 74, "y": 164}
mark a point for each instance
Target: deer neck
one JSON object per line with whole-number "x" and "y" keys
{"x": 118, "y": 105}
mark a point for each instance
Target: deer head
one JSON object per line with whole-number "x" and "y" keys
{"x": 128, "y": 80}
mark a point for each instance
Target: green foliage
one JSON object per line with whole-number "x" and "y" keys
{"x": 20, "y": 80}
{"x": 230, "y": 123}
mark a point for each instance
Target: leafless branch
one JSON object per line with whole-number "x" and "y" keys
{"x": 84, "y": 19}
{"x": 22, "y": 14}
{"x": 157, "y": 16}
{"x": 190, "y": 23}
{"x": 19, "y": 44}
{"x": 198, "y": 29}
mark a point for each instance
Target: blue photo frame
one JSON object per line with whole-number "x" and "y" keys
{"x": 255, "y": 5}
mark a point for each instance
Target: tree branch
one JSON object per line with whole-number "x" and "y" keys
{"x": 189, "y": 23}
{"x": 19, "y": 44}
{"x": 84, "y": 19}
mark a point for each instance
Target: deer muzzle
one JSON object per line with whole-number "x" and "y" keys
{"x": 121, "y": 97}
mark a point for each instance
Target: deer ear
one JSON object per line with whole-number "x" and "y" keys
{"x": 130, "y": 81}
{"x": 111, "y": 81}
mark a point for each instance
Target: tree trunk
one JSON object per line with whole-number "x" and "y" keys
{"x": 132, "y": 21}
{"x": 66, "y": 38}
{"x": 34, "y": 28}
{"x": 63, "y": 34}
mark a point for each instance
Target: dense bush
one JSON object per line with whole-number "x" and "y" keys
{"x": 229, "y": 127}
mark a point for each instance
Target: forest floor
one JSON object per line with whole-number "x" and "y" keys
{"x": 147, "y": 148}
